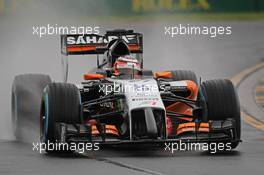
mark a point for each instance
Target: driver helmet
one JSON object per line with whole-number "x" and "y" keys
{"x": 126, "y": 65}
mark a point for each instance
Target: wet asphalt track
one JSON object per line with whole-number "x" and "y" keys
{"x": 210, "y": 58}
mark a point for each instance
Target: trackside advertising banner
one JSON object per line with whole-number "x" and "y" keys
{"x": 138, "y": 7}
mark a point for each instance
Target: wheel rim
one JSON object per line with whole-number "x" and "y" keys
{"x": 45, "y": 118}
{"x": 42, "y": 118}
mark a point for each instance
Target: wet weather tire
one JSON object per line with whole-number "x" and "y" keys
{"x": 61, "y": 103}
{"x": 178, "y": 75}
{"x": 222, "y": 103}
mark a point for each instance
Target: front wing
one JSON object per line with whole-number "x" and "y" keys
{"x": 219, "y": 131}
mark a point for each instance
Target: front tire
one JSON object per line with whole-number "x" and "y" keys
{"x": 61, "y": 103}
{"x": 222, "y": 103}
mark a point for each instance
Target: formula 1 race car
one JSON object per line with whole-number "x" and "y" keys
{"x": 121, "y": 103}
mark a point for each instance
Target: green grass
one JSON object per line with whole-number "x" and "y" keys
{"x": 185, "y": 17}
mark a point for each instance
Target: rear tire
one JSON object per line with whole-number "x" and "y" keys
{"x": 222, "y": 103}
{"x": 178, "y": 75}
{"x": 61, "y": 103}
{"x": 26, "y": 99}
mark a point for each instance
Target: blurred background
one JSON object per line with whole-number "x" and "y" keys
{"x": 134, "y": 7}
{"x": 126, "y": 8}
{"x": 220, "y": 57}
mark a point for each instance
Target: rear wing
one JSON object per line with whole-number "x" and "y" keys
{"x": 80, "y": 44}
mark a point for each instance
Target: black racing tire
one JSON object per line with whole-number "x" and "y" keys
{"x": 222, "y": 103}
{"x": 178, "y": 75}
{"x": 61, "y": 103}
{"x": 25, "y": 103}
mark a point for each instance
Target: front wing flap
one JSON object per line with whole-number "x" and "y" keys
{"x": 219, "y": 131}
